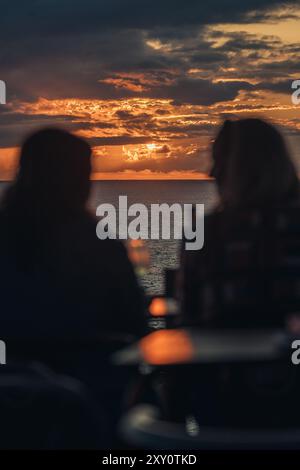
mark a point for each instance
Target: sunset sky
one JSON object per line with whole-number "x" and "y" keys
{"x": 147, "y": 82}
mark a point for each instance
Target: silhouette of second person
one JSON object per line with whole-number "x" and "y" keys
{"x": 247, "y": 274}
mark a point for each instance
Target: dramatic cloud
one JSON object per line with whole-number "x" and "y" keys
{"x": 146, "y": 82}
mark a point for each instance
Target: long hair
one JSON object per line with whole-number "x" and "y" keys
{"x": 51, "y": 187}
{"x": 53, "y": 175}
{"x": 252, "y": 165}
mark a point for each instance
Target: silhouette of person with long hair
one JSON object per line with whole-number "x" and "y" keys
{"x": 68, "y": 299}
{"x": 247, "y": 274}
{"x": 58, "y": 280}
{"x": 245, "y": 277}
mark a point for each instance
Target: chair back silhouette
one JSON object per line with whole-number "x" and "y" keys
{"x": 143, "y": 427}
{"x": 40, "y": 410}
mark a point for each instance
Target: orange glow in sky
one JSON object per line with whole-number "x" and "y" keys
{"x": 158, "y": 122}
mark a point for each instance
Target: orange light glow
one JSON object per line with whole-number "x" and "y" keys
{"x": 166, "y": 347}
{"x": 158, "y": 307}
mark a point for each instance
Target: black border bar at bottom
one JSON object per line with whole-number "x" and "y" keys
{"x": 136, "y": 458}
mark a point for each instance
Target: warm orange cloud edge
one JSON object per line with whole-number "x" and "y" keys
{"x": 150, "y": 175}
{"x": 9, "y": 164}
{"x": 118, "y": 176}
{"x": 132, "y": 176}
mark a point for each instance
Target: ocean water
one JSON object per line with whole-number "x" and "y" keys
{"x": 163, "y": 253}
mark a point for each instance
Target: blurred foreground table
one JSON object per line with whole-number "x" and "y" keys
{"x": 189, "y": 346}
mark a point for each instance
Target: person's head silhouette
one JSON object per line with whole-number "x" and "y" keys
{"x": 252, "y": 165}
{"x": 53, "y": 173}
